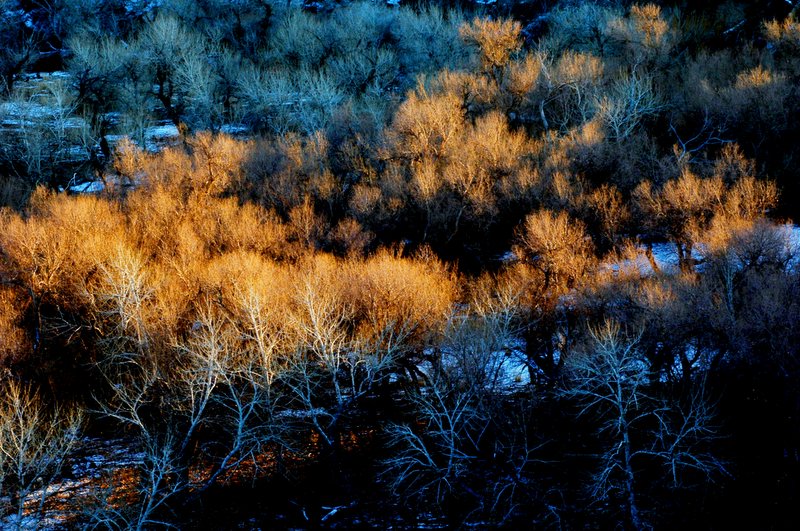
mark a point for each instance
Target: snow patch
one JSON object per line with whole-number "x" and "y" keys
{"x": 89, "y": 187}
{"x": 503, "y": 370}
{"x": 163, "y": 131}
{"x": 302, "y": 413}
{"x": 102, "y": 456}
{"x": 234, "y": 129}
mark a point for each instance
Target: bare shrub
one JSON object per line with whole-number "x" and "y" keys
{"x": 557, "y": 246}
{"x": 632, "y": 99}
{"x": 45, "y": 136}
{"x": 432, "y": 460}
{"x": 497, "y": 41}
{"x": 457, "y": 414}
{"x": 218, "y": 163}
{"x": 54, "y": 250}
{"x": 19, "y": 45}
{"x": 14, "y": 342}
{"x": 34, "y": 441}
{"x": 14, "y": 192}
{"x": 98, "y": 65}
{"x": 644, "y": 35}
{"x": 609, "y": 209}
{"x": 306, "y": 225}
{"x": 681, "y": 210}
{"x": 685, "y": 207}
{"x": 581, "y": 27}
{"x": 348, "y": 237}
{"x": 784, "y": 35}
{"x": 165, "y": 43}
{"x": 400, "y": 304}
{"x": 429, "y": 39}
{"x": 427, "y": 125}
{"x": 571, "y": 95}
{"x": 301, "y": 39}
{"x": 300, "y": 100}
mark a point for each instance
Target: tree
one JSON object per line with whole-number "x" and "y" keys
{"x": 458, "y": 416}
{"x": 684, "y": 209}
{"x": 557, "y": 246}
{"x": 497, "y": 41}
{"x": 212, "y": 382}
{"x": 19, "y": 45}
{"x": 612, "y": 381}
{"x": 632, "y": 98}
{"x": 34, "y": 441}
{"x": 433, "y": 460}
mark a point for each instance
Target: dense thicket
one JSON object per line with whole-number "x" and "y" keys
{"x": 525, "y": 264}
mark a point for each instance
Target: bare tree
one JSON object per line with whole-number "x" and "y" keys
{"x": 19, "y": 44}
{"x": 431, "y": 460}
{"x": 456, "y": 404}
{"x": 46, "y": 135}
{"x": 632, "y": 99}
{"x": 558, "y": 247}
{"x": 334, "y": 368}
{"x": 166, "y": 406}
{"x": 34, "y": 440}
{"x": 612, "y": 382}
{"x": 497, "y": 41}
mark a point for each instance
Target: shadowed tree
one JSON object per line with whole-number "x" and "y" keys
{"x": 611, "y": 381}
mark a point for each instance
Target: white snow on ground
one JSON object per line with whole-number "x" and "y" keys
{"x": 17, "y": 115}
{"x": 164, "y": 130}
{"x": 507, "y": 257}
{"x": 505, "y": 370}
{"x": 113, "y": 139}
{"x": 157, "y": 136}
{"x": 89, "y": 187}
{"x": 165, "y": 133}
{"x": 97, "y": 457}
{"x": 234, "y": 129}
{"x": 640, "y": 265}
{"x": 509, "y": 368}
{"x": 46, "y": 76}
{"x": 666, "y": 257}
{"x": 113, "y": 117}
{"x": 73, "y": 154}
{"x": 666, "y": 254}
{"x": 302, "y": 413}
{"x": 101, "y": 456}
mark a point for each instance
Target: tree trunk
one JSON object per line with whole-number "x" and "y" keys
{"x": 630, "y": 487}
